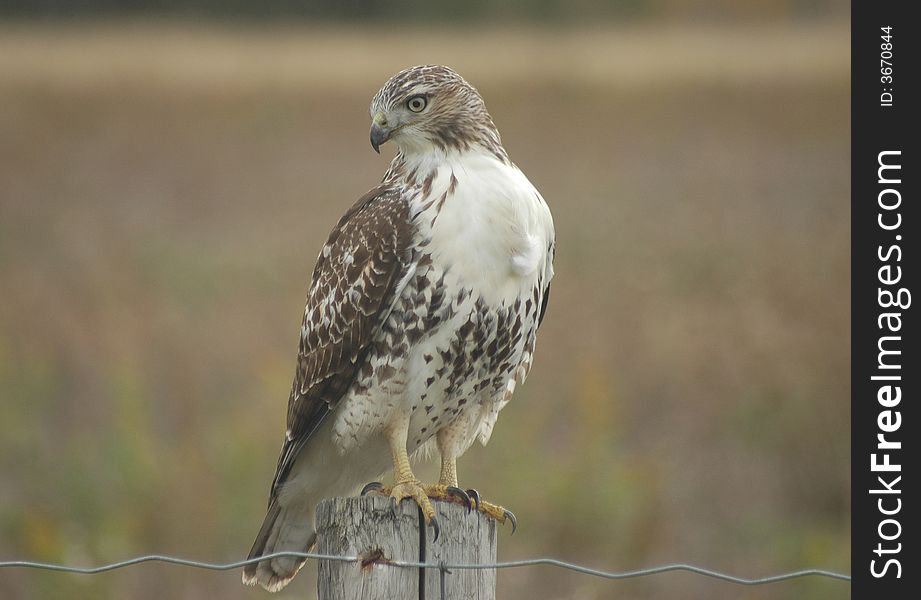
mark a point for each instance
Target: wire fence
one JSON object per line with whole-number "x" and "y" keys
{"x": 441, "y": 566}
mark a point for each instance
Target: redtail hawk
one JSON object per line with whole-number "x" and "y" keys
{"x": 421, "y": 317}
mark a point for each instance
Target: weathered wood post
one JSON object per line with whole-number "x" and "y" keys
{"x": 370, "y": 527}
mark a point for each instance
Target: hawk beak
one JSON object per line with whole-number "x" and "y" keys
{"x": 379, "y": 131}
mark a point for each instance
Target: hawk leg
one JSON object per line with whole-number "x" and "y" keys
{"x": 446, "y": 489}
{"x": 448, "y": 482}
{"x": 407, "y": 484}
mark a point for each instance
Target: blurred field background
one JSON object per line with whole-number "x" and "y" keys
{"x": 166, "y": 183}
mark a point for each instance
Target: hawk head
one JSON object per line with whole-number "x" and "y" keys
{"x": 431, "y": 108}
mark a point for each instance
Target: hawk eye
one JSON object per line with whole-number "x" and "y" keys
{"x": 416, "y": 103}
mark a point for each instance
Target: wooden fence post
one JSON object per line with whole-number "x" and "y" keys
{"x": 369, "y": 527}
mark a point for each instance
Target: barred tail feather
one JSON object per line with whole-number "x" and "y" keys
{"x": 285, "y": 529}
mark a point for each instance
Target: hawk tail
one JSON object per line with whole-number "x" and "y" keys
{"x": 285, "y": 529}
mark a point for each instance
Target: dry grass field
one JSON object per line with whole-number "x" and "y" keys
{"x": 164, "y": 190}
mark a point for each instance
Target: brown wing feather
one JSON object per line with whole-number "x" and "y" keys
{"x": 352, "y": 290}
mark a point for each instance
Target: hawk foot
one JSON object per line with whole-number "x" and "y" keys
{"x": 408, "y": 489}
{"x": 445, "y": 493}
{"x": 494, "y": 511}
{"x": 449, "y": 493}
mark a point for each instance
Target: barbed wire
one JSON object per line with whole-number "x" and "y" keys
{"x": 442, "y": 566}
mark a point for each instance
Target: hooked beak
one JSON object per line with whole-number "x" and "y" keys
{"x": 380, "y": 133}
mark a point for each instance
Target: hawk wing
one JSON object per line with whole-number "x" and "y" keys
{"x": 353, "y": 288}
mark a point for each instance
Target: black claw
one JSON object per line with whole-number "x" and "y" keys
{"x": 456, "y": 491}
{"x": 436, "y": 528}
{"x": 511, "y": 517}
{"x": 475, "y": 496}
{"x": 371, "y": 487}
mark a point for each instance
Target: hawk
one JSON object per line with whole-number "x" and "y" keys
{"x": 421, "y": 317}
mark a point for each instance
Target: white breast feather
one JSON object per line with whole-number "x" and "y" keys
{"x": 494, "y": 231}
